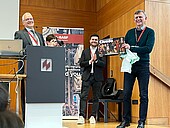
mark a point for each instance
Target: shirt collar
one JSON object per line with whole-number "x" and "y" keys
{"x": 142, "y": 28}
{"x": 28, "y": 29}
{"x": 93, "y": 49}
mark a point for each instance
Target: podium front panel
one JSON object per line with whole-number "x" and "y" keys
{"x": 45, "y": 75}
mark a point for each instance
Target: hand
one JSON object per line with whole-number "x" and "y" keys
{"x": 93, "y": 59}
{"x": 127, "y": 46}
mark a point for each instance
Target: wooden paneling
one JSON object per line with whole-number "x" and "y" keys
{"x": 118, "y": 21}
{"x": 113, "y": 10}
{"x": 165, "y": 79}
{"x": 160, "y": 57}
{"x": 10, "y": 66}
{"x": 101, "y": 3}
{"x": 83, "y": 5}
{"x": 114, "y": 18}
{"x": 158, "y": 13}
{"x": 56, "y": 13}
{"x": 118, "y": 28}
{"x": 159, "y": 100}
{"x": 63, "y": 18}
{"x": 62, "y": 13}
{"x": 117, "y": 25}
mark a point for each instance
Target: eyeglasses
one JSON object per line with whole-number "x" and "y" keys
{"x": 138, "y": 17}
{"x": 27, "y": 19}
{"x": 94, "y": 39}
{"x": 53, "y": 40}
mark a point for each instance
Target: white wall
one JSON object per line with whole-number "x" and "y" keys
{"x": 9, "y": 18}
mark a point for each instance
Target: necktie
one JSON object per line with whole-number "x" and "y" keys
{"x": 34, "y": 35}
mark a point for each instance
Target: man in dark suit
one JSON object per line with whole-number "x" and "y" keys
{"x": 29, "y": 37}
{"x": 92, "y": 65}
{"x": 28, "y": 34}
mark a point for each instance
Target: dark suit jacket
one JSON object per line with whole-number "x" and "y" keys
{"x": 98, "y": 66}
{"x": 23, "y": 34}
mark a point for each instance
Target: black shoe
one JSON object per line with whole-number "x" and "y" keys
{"x": 123, "y": 124}
{"x": 141, "y": 125}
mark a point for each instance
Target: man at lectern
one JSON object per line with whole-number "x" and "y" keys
{"x": 29, "y": 37}
{"x": 92, "y": 77}
{"x": 28, "y": 34}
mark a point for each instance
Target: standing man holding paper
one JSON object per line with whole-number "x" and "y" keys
{"x": 138, "y": 40}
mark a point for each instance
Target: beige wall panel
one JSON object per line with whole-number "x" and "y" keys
{"x": 158, "y": 98}
{"x": 159, "y": 105}
{"x": 160, "y": 57}
{"x": 160, "y": 1}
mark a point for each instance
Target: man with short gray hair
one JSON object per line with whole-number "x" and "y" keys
{"x": 138, "y": 40}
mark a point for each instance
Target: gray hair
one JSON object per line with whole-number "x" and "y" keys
{"x": 139, "y": 11}
{"x": 24, "y": 15}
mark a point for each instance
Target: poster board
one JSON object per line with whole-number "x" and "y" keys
{"x": 111, "y": 46}
{"x": 73, "y": 39}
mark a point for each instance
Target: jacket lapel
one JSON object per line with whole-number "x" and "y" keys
{"x": 27, "y": 36}
{"x": 89, "y": 53}
{"x": 97, "y": 52}
{"x": 40, "y": 39}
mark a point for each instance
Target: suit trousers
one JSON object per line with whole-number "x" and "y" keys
{"x": 96, "y": 85}
{"x": 142, "y": 73}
